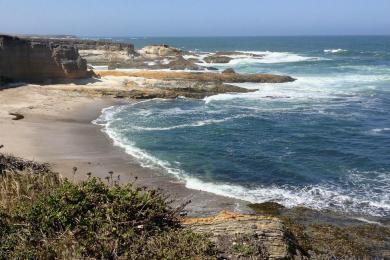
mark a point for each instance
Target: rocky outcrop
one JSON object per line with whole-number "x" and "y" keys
{"x": 23, "y": 60}
{"x": 229, "y": 71}
{"x": 202, "y": 76}
{"x": 217, "y": 59}
{"x": 82, "y": 44}
{"x": 155, "y": 51}
{"x": 182, "y": 64}
{"x": 248, "y": 237}
{"x": 147, "y": 89}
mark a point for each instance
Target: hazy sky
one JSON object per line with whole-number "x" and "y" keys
{"x": 195, "y": 17}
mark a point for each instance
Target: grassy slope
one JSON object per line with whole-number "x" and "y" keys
{"x": 45, "y": 216}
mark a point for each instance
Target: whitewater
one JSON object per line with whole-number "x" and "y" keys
{"x": 322, "y": 141}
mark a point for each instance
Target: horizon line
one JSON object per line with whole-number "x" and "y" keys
{"x": 189, "y": 36}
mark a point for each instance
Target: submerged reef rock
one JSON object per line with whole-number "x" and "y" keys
{"x": 24, "y": 60}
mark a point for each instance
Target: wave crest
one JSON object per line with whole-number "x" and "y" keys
{"x": 335, "y": 50}
{"x": 195, "y": 124}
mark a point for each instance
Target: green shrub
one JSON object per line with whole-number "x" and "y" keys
{"x": 45, "y": 217}
{"x": 96, "y": 213}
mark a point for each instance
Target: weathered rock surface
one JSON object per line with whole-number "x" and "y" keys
{"x": 228, "y": 71}
{"x": 331, "y": 235}
{"x": 217, "y": 59}
{"x": 147, "y": 89}
{"x": 82, "y": 44}
{"x": 202, "y": 76}
{"x": 23, "y": 60}
{"x": 248, "y": 237}
{"x": 182, "y": 64}
{"x": 155, "y": 51}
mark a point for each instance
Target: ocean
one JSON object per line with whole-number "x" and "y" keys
{"x": 322, "y": 141}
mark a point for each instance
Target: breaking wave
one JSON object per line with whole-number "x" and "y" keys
{"x": 358, "y": 200}
{"x": 195, "y": 124}
{"x": 335, "y": 51}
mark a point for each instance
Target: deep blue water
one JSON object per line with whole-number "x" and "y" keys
{"x": 322, "y": 141}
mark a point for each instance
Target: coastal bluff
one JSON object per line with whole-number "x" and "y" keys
{"x": 39, "y": 62}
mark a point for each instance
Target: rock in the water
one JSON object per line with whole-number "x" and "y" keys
{"x": 182, "y": 64}
{"x": 23, "y": 60}
{"x": 202, "y": 76}
{"x": 217, "y": 59}
{"x": 229, "y": 71}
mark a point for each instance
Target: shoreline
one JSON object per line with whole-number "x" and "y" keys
{"x": 64, "y": 136}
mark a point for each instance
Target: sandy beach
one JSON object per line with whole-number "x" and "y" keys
{"x": 57, "y": 129}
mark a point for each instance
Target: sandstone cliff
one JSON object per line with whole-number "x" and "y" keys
{"x": 83, "y": 44}
{"x": 37, "y": 62}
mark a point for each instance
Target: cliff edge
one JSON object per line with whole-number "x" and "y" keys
{"x": 27, "y": 61}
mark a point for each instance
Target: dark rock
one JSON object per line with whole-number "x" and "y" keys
{"x": 194, "y": 60}
{"x": 23, "y": 60}
{"x": 267, "y": 208}
{"x": 229, "y": 71}
{"x": 182, "y": 64}
{"x": 217, "y": 59}
{"x": 17, "y": 116}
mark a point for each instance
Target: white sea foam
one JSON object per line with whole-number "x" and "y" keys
{"x": 335, "y": 50}
{"x": 306, "y": 88}
{"x": 195, "y": 124}
{"x": 275, "y": 57}
{"x": 99, "y": 67}
{"x": 323, "y": 196}
{"x": 263, "y": 57}
{"x": 150, "y": 63}
{"x": 316, "y": 196}
{"x": 380, "y": 130}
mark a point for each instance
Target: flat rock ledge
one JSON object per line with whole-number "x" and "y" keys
{"x": 201, "y": 76}
{"x": 248, "y": 237}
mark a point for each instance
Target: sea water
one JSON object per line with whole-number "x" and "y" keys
{"x": 322, "y": 141}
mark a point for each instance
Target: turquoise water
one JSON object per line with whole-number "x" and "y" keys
{"x": 322, "y": 141}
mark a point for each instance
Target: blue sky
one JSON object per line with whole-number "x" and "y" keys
{"x": 195, "y": 17}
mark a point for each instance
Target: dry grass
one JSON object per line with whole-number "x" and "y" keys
{"x": 24, "y": 181}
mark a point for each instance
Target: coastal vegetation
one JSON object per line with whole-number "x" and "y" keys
{"x": 43, "y": 216}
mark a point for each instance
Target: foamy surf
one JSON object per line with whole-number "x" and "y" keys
{"x": 268, "y": 57}
{"x": 319, "y": 142}
{"x": 307, "y": 88}
{"x": 195, "y": 124}
{"x": 315, "y": 197}
{"x": 253, "y": 57}
{"x": 335, "y": 50}
{"x": 327, "y": 196}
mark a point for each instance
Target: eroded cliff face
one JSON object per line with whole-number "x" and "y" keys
{"x": 27, "y": 61}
